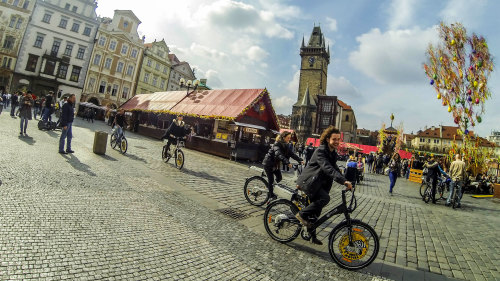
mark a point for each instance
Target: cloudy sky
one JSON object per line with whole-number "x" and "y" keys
{"x": 377, "y": 49}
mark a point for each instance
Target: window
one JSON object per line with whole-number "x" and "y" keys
{"x": 327, "y": 106}
{"x": 114, "y": 90}
{"x": 12, "y": 21}
{"x": 63, "y": 70}
{"x": 155, "y": 80}
{"x": 422, "y": 140}
{"x": 16, "y": 3}
{"x": 160, "y": 53}
{"x": 124, "y": 49}
{"x": 429, "y": 140}
{"x": 97, "y": 59}
{"x": 119, "y": 67}
{"x": 67, "y": 6}
{"x": 130, "y": 70}
{"x": 102, "y": 41}
{"x": 157, "y": 66}
{"x": 19, "y": 22}
{"x": 8, "y": 43}
{"x": 125, "y": 93}
{"x": 149, "y": 63}
{"x": 75, "y": 27}
{"x": 50, "y": 66}
{"x": 81, "y": 53}
{"x": 91, "y": 84}
{"x": 74, "y": 9}
{"x": 32, "y": 61}
{"x": 46, "y": 18}
{"x": 347, "y": 118}
{"x": 55, "y": 47}
{"x": 112, "y": 45}
{"x": 165, "y": 69}
{"x": 325, "y": 120}
{"x": 102, "y": 87}
{"x": 134, "y": 53}
{"x": 125, "y": 24}
{"x": 107, "y": 63}
{"x": 26, "y": 4}
{"x": 63, "y": 23}
{"x": 87, "y": 31}
{"x": 6, "y": 62}
{"x": 68, "y": 50}
{"x": 146, "y": 77}
{"x": 162, "y": 84}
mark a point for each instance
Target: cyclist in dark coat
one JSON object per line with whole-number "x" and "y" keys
{"x": 279, "y": 152}
{"x": 309, "y": 152}
{"x": 175, "y": 130}
{"x": 317, "y": 178}
{"x": 433, "y": 173}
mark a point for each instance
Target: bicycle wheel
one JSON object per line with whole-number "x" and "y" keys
{"x": 353, "y": 246}
{"x": 256, "y": 191}
{"x": 427, "y": 194}
{"x": 439, "y": 191}
{"x": 165, "y": 156}
{"x": 179, "y": 159}
{"x": 280, "y": 221}
{"x": 422, "y": 188}
{"x": 112, "y": 141}
{"x": 454, "y": 196}
{"x": 123, "y": 145}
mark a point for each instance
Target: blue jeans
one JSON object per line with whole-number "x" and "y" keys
{"x": 46, "y": 114}
{"x": 459, "y": 185}
{"x": 392, "y": 176}
{"x": 24, "y": 121}
{"x": 68, "y": 135}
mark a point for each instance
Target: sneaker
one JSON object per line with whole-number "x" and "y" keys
{"x": 70, "y": 151}
{"x": 63, "y": 152}
{"x": 303, "y": 221}
{"x": 316, "y": 241}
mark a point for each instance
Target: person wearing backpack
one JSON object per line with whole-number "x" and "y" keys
{"x": 279, "y": 152}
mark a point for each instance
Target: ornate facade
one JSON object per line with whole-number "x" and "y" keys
{"x": 114, "y": 65}
{"x": 14, "y": 18}
{"x": 154, "y": 69}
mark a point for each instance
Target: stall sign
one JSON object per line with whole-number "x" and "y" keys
{"x": 224, "y": 136}
{"x": 251, "y": 130}
{"x": 218, "y": 136}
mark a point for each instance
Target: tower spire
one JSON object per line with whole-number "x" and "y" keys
{"x": 303, "y": 45}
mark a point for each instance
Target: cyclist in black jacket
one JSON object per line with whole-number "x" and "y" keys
{"x": 120, "y": 123}
{"x": 175, "y": 130}
{"x": 279, "y": 152}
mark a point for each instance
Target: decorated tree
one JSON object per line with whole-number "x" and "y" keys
{"x": 390, "y": 139}
{"x": 458, "y": 69}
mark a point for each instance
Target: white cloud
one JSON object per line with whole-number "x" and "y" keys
{"x": 283, "y": 104}
{"x": 395, "y": 56}
{"x": 257, "y": 53}
{"x": 331, "y": 24}
{"x": 402, "y": 13}
{"x": 293, "y": 86}
{"x": 464, "y": 11}
{"x": 342, "y": 88}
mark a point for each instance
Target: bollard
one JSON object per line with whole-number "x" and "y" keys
{"x": 100, "y": 142}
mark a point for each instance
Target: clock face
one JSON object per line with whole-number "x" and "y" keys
{"x": 311, "y": 60}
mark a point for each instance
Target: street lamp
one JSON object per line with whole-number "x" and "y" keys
{"x": 189, "y": 84}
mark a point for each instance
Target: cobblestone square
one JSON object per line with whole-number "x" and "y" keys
{"x": 132, "y": 217}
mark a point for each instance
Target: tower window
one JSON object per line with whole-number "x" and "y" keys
{"x": 347, "y": 118}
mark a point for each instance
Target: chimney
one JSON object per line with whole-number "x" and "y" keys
{"x": 441, "y": 131}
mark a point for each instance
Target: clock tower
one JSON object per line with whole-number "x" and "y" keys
{"x": 315, "y": 58}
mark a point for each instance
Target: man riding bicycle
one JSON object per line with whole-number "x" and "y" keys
{"x": 174, "y": 131}
{"x": 317, "y": 178}
{"x": 120, "y": 123}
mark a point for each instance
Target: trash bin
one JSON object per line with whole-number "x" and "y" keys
{"x": 100, "y": 141}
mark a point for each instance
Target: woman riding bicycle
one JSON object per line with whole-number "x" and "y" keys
{"x": 120, "y": 123}
{"x": 317, "y": 178}
{"x": 174, "y": 131}
{"x": 279, "y": 152}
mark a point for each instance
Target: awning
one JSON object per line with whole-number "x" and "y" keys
{"x": 250, "y": 126}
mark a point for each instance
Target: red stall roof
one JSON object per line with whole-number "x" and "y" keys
{"x": 159, "y": 101}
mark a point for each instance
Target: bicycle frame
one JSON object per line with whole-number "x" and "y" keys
{"x": 340, "y": 209}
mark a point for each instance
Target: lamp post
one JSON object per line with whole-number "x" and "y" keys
{"x": 189, "y": 84}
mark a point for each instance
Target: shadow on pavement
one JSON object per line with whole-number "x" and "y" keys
{"x": 52, "y": 134}
{"x": 107, "y": 157}
{"x": 27, "y": 139}
{"x": 75, "y": 163}
{"x": 202, "y": 175}
{"x": 136, "y": 158}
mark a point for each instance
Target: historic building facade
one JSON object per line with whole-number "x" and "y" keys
{"x": 114, "y": 65}
{"x": 179, "y": 70}
{"x": 14, "y": 18}
{"x": 154, "y": 69}
{"x": 56, "y": 47}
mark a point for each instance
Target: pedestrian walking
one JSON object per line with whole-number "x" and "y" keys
{"x": 67, "y": 116}
{"x": 14, "y": 100}
{"x": 369, "y": 162}
{"x": 9, "y": 96}
{"x": 309, "y": 152}
{"x": 49, "y": 107}
{"x": 26, "y": 104}
{"x": 1, "y": 104}
{"x": 457, "y": 175}
{"x": 394, "y": 170}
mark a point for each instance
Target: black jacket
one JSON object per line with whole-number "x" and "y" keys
{"x": 432, "y": 169}
{"x": 14, "y": 99}
{"x": 309, "y": 152}
{"x": 49, "y": 101}
{"x": 176, "y": 130}
{"x": 68, "y": 114}
{"x": 279, "y": 152}
{"x": 321, "y": 171}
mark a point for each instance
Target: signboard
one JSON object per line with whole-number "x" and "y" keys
{"x": 251, "y": 130}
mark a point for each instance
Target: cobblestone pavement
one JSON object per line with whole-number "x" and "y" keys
{"x": 123, "y": 217}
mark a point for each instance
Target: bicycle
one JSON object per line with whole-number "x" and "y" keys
{"x": 178, "y": 153}
{"x": 441, "y": 187}
{"x": 256, "y": 188}
{"x": 122, "y": 140}
{"x": 352, "y": 244}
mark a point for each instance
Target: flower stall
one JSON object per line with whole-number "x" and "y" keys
{"x": 238, "y": 121}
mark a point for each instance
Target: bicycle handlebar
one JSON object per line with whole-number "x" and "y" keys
{"x": 353, "y": 199}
